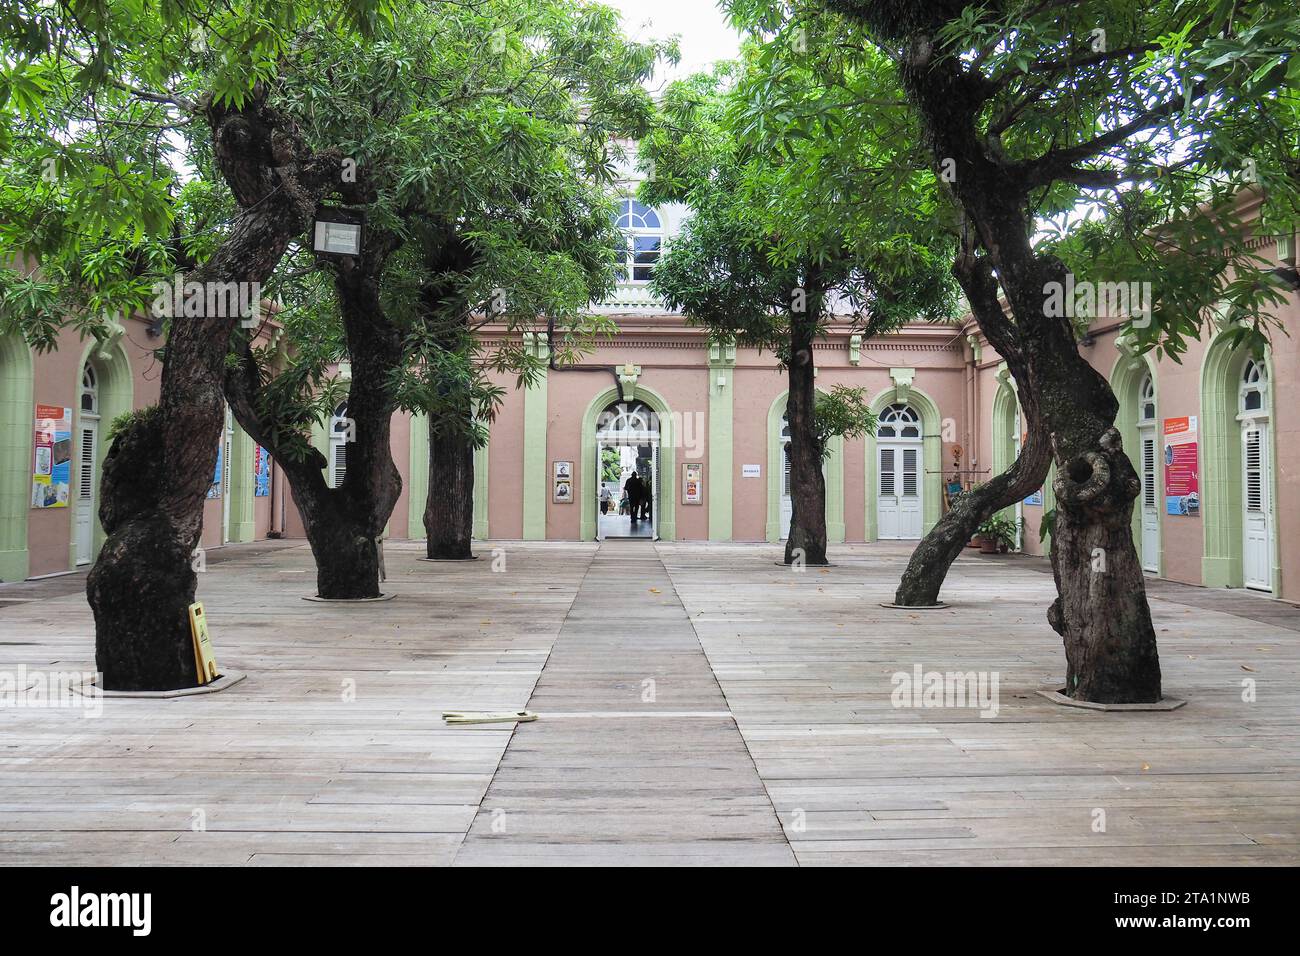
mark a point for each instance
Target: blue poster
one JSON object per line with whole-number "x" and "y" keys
{"x": 261, "y": 472}
{"x": 214, "y": 489}
{"x": 52, "y": 457}
{"x": 1036, "y": 498}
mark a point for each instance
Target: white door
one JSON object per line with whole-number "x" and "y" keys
{"x": 1258, "y": 548}
{"x": 898, "y": 502}
{"x": 225, "y": 479}
{"x": 787, "y": 503}
{"x": 654, "y": 491}
{"x": 1149, "y": 502}
{"x": 599, "y": 483}
{"x": 87, "y": 482}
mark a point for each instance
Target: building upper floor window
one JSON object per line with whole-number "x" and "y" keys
{"x": 899, "y": 421}
{"x": 1147, "y": 400}
{"x": 89, "y": 390}
{"x": 1254, "y": 383}
{"x": 643, "y": 237}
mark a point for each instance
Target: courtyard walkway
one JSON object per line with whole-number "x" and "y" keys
{"x": 698, "y": 704}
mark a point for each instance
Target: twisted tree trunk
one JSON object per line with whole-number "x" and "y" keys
{"x": 142, "y": 583}
{"x": 449, "y": 508}
{"x": 343, "y": 525}
{"x": 1101, "y": 610}
{"x": 807, "y": 539}
{"x": 933, "y": 557}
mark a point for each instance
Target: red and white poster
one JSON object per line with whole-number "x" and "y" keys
{"x": 52, "y": 456}
{"x": 1182, "y": 471}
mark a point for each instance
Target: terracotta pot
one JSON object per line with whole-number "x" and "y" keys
{"x": 988, "y": 546}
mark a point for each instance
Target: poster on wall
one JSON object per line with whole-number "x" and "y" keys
{"x": 692, "y": 483}
{"x": 214, "y": 489}
{"x": 52, "y": 457}
{"x": 1182, "y": 478}
{"x": 563, "y": 482}
{"x": 1036, "y": 498}
{"x": 261, "y": 472}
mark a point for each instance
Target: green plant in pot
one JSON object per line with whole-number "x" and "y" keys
{"x": 996, "y": 534}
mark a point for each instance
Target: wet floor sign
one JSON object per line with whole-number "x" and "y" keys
{"x": 205, "y": 661}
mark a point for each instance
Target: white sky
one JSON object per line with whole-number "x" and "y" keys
{"x": 700, "y": 25}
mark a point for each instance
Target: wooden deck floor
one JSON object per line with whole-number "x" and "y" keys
{"x": 769, "y": 738}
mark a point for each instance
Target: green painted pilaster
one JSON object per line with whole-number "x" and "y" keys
{"x": 481, "y": 493}
{"x": 721, "y": 468}
{"x": 833, "y": 472}
{"x": 536, "y": 479}
{"x": 17, "y": 419}
{"x": 243, "y": 526}
{"x": 417, "y": 483}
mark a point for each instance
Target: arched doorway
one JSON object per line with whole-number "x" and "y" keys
{"x": 1006, "y": 443}
{"x": 1148, "y": 508}
{"x": 106, "y": 391}
{"x": 780, "y": 507}
{"x": 628, "y": 477}
{"x": 1237, "y": 480}
{"x": 339, "y": 436}
{"x": 1256, "y": 477}
{"x": 87, "y": 452}
{"x": 1133, "y": 381}
{"x": 923, "y": 436}
{"x": 899, "y": 473}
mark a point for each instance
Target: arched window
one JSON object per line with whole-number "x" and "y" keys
{"x": 627, "y": 422}
{"x": 1253, "y": 396}
{"x": 899, "y": 421}
{"x": 89, "y": 390}
{"x": 643, "y": 240}
{"x": 342, "y": 431}
{"x": 1147, "y": 400}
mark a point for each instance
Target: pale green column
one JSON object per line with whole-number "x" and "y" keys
{"x": 536, "y": 483}
{"x": 721, "y": 470}
{"x": 417, "y": 480}
{"x": 17, "y": 421}
{"x": 243, "y": 526}
{"x": 480, "y": 530}
{"x": 833, "y": 473}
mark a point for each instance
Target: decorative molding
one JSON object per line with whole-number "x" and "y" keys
{"x": 902, "y": 379}
{"x": 976, "y": 348}
{"x": 855, "y": 348}
{"x": 627, "y": 376}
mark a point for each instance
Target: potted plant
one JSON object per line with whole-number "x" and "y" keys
{"x": 997, "y": 534}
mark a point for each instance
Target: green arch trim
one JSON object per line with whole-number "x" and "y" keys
{"x": 16, "y": 424}
{"x": 1126, "y": 381}
{"x": 1220, "y": 474}
{"x": 667, "y": 461}
{"x": 116, "y": 397}
{"x": 1005, "y": 407}
{"x": 832, "y": 468}
{"x": 931, "y": 457}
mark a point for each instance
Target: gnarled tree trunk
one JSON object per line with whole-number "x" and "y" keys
{"x": 1101, "y": 610}
{"x": 449, "y": 508}
{"x": 343, "y": 525}
{"x": 142, "y": 583}
{"x": 807, "y": 539}
{"x": 933, "y": 557}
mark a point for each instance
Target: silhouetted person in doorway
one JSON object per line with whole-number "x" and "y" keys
{"x": 635, "y": 489}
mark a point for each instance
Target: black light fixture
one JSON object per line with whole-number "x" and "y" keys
{"x": 336, "y": 232}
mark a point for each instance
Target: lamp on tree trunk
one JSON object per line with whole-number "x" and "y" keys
{"x": 336, "y": 232}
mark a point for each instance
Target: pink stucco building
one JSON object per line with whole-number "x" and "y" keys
{"x": 1214, "y": 436}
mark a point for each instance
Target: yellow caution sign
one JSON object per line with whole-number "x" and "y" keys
{"x": 205, "y": 661}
